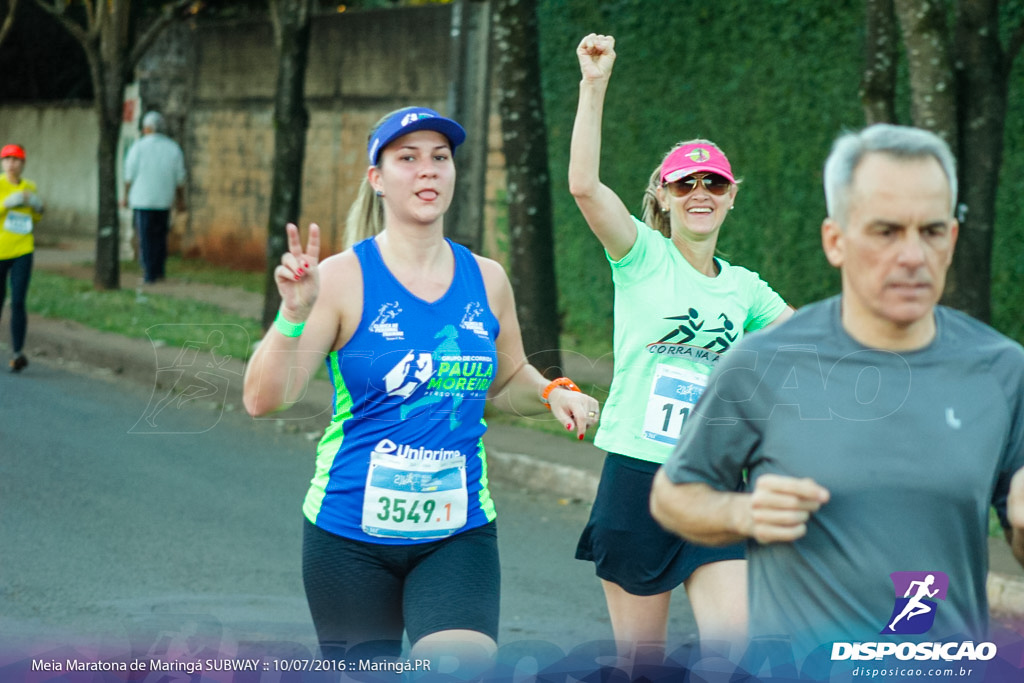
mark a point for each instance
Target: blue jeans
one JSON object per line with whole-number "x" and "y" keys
{"x": 153, "y": 226}
{"x": 20, "y": 270}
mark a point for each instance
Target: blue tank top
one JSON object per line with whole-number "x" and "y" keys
{"x": 403, "y": 460}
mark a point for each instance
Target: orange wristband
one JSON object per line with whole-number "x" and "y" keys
{"x": 564, "y": 382}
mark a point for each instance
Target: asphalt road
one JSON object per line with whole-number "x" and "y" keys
{"x": 134, "y": 519}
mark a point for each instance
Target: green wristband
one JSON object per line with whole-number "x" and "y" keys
{"x": 288, "y": 329}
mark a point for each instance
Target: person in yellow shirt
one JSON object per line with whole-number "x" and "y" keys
{"x": 20, "y": 209}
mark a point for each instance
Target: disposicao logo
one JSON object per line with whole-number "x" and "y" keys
{"x": 913, "y": 613}
{"x": 917, "y": 594}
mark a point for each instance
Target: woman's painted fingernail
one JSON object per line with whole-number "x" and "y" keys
{"x": 581, "y": 437}
{"x": 569, "y": 427}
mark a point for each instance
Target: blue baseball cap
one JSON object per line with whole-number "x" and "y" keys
{"x": 409, "y": 120}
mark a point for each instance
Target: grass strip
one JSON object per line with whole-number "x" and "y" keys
{"x": 163, "y": 319}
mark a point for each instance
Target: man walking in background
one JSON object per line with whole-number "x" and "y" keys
{"x": 154, "y": 174}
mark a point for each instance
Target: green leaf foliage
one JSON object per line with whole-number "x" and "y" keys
{"x": 772, "y": 82}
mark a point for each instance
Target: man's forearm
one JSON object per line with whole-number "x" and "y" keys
{"x": 696, "y": 511}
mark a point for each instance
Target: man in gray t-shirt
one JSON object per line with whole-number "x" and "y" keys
{"x": 876, "y": 427}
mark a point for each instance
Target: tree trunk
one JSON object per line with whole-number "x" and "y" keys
{"x": 469, "y": 98}
{"x": 982, "y": 94}
{"x": 107, "y": 274}
{"x": 878, "y": 82}
{"x": 109, "y": 78}
{"x": 291, "y": 119}
{"x": 524, "y": 137}
{"x": 933, "y": 104}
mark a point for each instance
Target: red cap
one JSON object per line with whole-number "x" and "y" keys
{"x": 694, "y": 158}
{"x": 16, "y": 151}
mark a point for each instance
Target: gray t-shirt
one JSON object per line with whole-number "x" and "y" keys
{"x": 913, "y": 448}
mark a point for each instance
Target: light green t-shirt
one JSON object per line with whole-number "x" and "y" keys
{"x": 671, "y": 324}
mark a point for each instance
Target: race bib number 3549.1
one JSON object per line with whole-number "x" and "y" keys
{"x": 414, "y": 499}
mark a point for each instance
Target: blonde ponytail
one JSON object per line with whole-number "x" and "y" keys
{"x": 652, "y": 214}
{"x": 365, "y": 216}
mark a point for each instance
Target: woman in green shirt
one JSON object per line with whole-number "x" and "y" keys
{"x": 677, "y": 308}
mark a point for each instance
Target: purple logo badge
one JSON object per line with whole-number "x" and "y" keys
{"x": 916, "y": 601}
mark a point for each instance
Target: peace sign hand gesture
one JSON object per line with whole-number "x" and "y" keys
{"x": 298, "y": 279}
{"x": 597, "y": 57}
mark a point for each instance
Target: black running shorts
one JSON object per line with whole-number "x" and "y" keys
{"x": 626, "y": 544}
{"x": 363, "y": 595}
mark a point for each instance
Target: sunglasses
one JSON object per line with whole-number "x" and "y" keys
{"x": 712, "y": 182}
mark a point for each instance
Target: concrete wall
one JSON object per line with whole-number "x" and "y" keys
{"x": 356, "y": 74}
{"x": 60, "y": 145}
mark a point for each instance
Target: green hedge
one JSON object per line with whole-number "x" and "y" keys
{"x": 772, "y": 82}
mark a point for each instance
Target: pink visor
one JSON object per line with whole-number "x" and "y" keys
{"x": 695, "y": 158}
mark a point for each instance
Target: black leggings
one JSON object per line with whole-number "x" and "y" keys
{"x": 363, "y": 595}
{"x": 20, "y": 270}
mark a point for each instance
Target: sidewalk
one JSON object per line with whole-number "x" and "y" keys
{"x": 531, "y": 458}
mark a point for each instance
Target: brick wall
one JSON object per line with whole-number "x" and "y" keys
{"x": 360, "y": 67}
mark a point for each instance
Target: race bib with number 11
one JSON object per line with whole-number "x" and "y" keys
{"x": 674, "y": 393}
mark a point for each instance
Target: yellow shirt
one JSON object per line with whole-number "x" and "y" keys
{"x": 16, "y": 235}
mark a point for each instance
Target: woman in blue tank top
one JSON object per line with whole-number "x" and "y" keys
{"x": 417, "y": 333}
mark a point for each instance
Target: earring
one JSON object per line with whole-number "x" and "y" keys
{"x": 379, "y": 193}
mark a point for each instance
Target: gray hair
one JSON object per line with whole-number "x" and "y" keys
{"x": 900, "y": 142}
{"x": 153, "y": 120}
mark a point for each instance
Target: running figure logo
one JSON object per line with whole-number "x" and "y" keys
{"x": 200, "y": 374}
{"x": 383, "y": 324}
{"x": 914, "y": 612}
{"x": 469, "y": 320}
{"x": 692, "y": 323}
{"x": 410, "y": 373}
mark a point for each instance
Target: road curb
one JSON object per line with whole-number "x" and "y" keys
{"x": 538, "y": 474}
